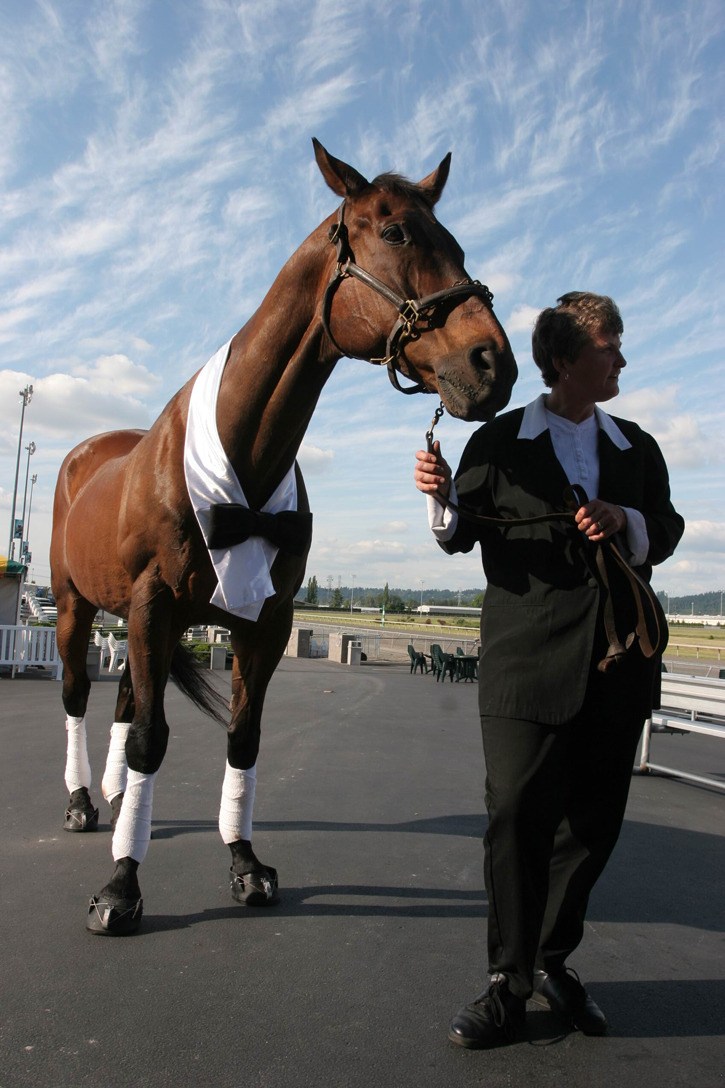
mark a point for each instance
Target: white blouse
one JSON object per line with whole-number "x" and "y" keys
{"x": 576, "y": 449}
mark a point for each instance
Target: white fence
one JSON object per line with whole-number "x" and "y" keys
{"x": 390, "y": 645}
{"x": 690, "y": 704}
{"x": 22, "y": 647}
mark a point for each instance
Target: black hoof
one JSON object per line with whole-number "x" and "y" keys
{"x": 258, "y": 889}
{"x": 80, "y": 814}
{"x": 118, "y": 919}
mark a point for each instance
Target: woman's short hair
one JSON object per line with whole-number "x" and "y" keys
{"x": 562, "y": 331}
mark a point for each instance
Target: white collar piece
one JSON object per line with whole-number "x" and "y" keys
{"x": 244, "y": 570}
{"x": 534, "y": 423}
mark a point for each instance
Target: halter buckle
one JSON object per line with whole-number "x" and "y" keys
{"x": 409, "y": 312}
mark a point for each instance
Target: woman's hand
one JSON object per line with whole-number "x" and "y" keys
{"x": 432, "y": 474}
{"x": 599, "y": 520}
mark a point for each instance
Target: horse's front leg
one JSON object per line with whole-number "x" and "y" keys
{"x": 256, "y": 656}
{"x": 251, "y": 882}
{"x": 118, "y": 907}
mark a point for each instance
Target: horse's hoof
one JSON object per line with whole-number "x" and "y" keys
{"x": 81, "y": 819}
{"x": 258, "y": 889}
{"x": 119, "y": 919}
{"x": 80, "y": 814}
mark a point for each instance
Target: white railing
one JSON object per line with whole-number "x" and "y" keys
{"x": 23, "y": 646}
{"x": 690, "y": 704}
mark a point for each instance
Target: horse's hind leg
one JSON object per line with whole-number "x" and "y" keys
{"x": 115, "y": 775}
{"x": 75, "y": 619}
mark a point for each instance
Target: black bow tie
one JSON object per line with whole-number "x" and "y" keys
{"x": 230, "y": 524}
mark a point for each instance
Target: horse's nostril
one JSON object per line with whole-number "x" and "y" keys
{"x": 483, "y": 356}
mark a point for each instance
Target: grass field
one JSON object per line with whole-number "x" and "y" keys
{"x": 696, "y": 640}
{"x": 690, "y": 640}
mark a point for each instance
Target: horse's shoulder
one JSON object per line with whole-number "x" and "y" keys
{"x": 107, "y": 444}
{"x": 93, "y": 453}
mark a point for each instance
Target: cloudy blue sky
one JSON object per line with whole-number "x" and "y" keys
{"x": 156, "y": 171}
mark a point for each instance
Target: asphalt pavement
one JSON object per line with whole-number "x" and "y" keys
{"x": 369, "y": 803}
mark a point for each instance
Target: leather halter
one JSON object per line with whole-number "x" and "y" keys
{"x": 414, "y": 315}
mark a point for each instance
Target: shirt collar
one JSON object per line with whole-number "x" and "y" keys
{"x": 534, "y": 423}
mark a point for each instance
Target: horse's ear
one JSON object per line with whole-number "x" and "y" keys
{"x": 434, "y": 184}
{"x": 342, "y": 179}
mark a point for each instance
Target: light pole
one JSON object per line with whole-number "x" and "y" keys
{"x": 31, "y": 448}
{"x": 33, "y": 482}
{"x": 352, "y": 593}
{"x": 27, "y": 395}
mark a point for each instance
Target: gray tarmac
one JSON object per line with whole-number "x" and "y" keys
{"x": 369, "y": 803}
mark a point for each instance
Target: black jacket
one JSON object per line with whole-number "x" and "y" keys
{"x": 541, "y": 620}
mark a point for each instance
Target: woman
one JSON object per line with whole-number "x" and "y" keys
{"x": 560, "y": 727}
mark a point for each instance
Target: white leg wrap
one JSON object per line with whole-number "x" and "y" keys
{"x": 116, "y": 772}
{"x": 235, "y": 813}
{"x": 77, "y": 766}
{"x": 133, "y": 830}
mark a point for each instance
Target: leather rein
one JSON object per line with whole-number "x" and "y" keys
{"x": 650, "y": 631}
{"x": 415, "y": 315}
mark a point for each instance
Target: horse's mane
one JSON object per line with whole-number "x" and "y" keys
{"x": 400, "y": 186}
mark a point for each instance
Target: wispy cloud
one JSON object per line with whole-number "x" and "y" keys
{"x": 156, "y": 173}
{"x": 334, "y": 30}
{"x": 679, "y": 433}
{"x": 522, "y": 319}
{"x": 315, "y": 460}
{"x": 313, "y": 108}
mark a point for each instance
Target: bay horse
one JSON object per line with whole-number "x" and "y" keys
{"x": 380, "y": 280}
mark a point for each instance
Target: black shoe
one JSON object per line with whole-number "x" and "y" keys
{"x": 495, "y": 1018}
{"x": 564, "y": 994}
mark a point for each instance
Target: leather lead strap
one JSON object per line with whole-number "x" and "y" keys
{"x": 649, "y": 632}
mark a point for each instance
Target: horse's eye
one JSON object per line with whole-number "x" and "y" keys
{"x": 394, "y": 235}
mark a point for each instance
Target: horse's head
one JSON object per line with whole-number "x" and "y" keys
{"x": 394, "y": 255}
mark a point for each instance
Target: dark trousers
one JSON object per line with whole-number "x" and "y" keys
{"x": 556, "y": 797}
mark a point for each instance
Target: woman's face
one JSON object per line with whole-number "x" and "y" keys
{"x": 594, "y": 374}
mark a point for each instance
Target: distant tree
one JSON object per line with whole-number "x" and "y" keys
{"x": 396, "y": 604}
{"x": 337, "y": 598}
{"x": 477, "y": 601}
{"x": 312, "y": 597}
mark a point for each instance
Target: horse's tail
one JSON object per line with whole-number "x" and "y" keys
{"x": 187, "y": 674}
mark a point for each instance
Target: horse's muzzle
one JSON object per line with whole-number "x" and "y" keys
{"x": 476, "y": 384}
